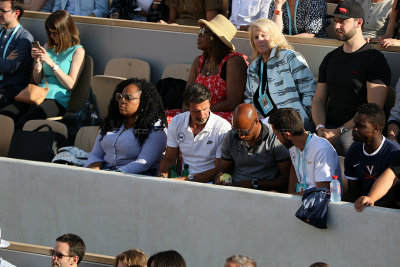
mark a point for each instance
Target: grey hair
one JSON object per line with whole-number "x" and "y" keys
{"x": 242, "y": 261}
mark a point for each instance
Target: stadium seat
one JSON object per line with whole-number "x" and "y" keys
{"x": 56, "y": 126}
{"x": 6, "y": 133}
{"x": 128, "y": 68}
{"x": 85, "y": 137}
{"x": 177, "y": 71}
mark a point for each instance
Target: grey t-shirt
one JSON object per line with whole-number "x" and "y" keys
{"x": 258, "y": 162}
{"x": 376, "y": 17}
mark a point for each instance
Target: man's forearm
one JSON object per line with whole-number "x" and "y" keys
{"x": 205, "y": 177}
{"x": 164, "y": 167}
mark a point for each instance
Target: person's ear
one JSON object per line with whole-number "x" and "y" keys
{"x": 287, "y": 134}
{"x": 75, "y": 259}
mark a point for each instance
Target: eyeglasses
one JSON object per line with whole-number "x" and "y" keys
{"x": 126, "y": 97}
{"x": 57, "y": 254}
{"x": 2, "y": 11}
{"x": 245, "y": 132}
{"x": 203, "y": 31}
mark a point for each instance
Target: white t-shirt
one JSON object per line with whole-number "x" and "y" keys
{"x": 321, "y": 161}
{"x": 201, "y": 151}
{"x": 245, "y": 12}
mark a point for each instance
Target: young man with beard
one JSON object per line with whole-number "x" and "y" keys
{"x": 198, "y": 135}
{"x": 68, "y": 251}
{"x": 350, "y": 75}
{"x": 252, "y": 154}
{"x": 370, "y": 155}
{"x": 314, "y": 160}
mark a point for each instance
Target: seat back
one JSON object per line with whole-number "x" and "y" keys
{"x": 80, "y": 94}
{"x": 6, "y": 133}
{"x": 128, "y": 68}
{"x": 58, "y": 127}
{"x": 177, "y": 71}
{"x": 103, "y": 87}
{"x": 330, "y": 30}
{"x": 85, "y": 137}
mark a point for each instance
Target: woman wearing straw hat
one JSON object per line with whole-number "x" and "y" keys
{"x": 219, "y": 68}
{"x": 278, "y": 77}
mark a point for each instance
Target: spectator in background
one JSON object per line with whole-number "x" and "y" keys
{"x": 59, "y": 62}
{"x": 132, "y": 257}
{"x": 302, "y": 18}
{"x": 394, "y": 118}
{"x": 138, "y": 10}
{"x": 169, "y": 258}
{"x": 68, "y": 251}
{"x": 319, "y": 264}
{"x": 321, "y": 157}
{"x": 132, "y": 136}
{"x": 245, "y": 12}
{"x": 370, "y": 155}
{"x": 15, "y": 47}
{"x": 186, "y": 12}
{"x": 392, "y": 35}
{"x": 197, "y": 135}
{"x": 220, "y": 68}
{"x": 39, "y": 5}
{"x": 376, "y": 18}
{"x": 350, "y": 75}
{"x": 252, "y": 154}
{"x": 278, "y": 77}
{"x": 240, "y": 261}
{"x": 92, "y": 8}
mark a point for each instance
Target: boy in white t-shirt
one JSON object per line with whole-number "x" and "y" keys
{"x": 314, "y": 160}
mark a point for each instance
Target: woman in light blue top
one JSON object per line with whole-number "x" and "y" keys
{"x": 60, "y": 61}
{"x": 133, "y": 135}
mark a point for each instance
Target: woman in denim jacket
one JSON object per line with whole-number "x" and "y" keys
{"x": 278, "y": 77}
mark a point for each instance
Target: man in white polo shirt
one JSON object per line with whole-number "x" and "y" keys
{"x": 198, "y": 135}
{"x": 314, "y": 160}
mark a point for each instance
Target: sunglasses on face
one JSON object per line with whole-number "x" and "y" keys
{"x": 245, "y": 132}
{"x": 126, "y": 97}
{"x": 57, "y": 254}
{"x": 3, "y": 11}
{"x": 203, "y": 31}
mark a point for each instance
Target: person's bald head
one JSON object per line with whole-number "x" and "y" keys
{"x": 245, "y": 121}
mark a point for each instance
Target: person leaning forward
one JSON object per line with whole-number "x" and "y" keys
{"x": 252, "y": 153}
{"x": 198, "y": 135}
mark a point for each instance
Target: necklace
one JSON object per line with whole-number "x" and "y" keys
{"x": 210, "y": 67}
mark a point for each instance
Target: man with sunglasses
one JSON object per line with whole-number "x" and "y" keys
{"x": 15, "y": 52}
{"x": 370, "y": 154}
{"x": 252, "y": 154}
{"x": 68, "y": 251}
{"x": 314, "y": 160}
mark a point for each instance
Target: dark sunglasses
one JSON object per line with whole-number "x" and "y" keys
{"x": 126, "y": 97}
{"x": 203, "y": 31}
{"x": 245, "y": 132}
{"x": 57, "y": 254}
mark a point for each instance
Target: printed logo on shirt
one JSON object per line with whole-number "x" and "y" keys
{"x": 309, "y": 162}
{"x": 209, "y": 142}
{"x": 181, "y": 137}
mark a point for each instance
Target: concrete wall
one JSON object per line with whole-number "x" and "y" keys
{"x": 113, "y": 212}
{"x": 105, "y": 39}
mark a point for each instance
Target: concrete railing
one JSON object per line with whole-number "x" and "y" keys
{"x": 162, "y": 45}
{"x": 113, "y": 212}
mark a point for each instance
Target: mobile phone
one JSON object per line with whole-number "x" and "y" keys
{"x": 35, "y": 44}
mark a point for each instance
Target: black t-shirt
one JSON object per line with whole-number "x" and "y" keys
{"x": 346, "y": 75}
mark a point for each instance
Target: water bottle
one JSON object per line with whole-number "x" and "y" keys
{"x": 335, "y": 189}
{"x": 173, "y": 173}
{"x": 185, "y": 171}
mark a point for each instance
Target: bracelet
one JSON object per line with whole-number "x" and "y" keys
{"x": 278, "y": 12}
{"x": 319, "y": 126}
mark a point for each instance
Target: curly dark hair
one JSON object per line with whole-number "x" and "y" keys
{"x": 150, "y": 111}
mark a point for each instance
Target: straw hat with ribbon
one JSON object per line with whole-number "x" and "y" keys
{"x": 222, "y": 28}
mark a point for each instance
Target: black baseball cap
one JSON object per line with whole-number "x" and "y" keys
{"x": 348, "y": 9}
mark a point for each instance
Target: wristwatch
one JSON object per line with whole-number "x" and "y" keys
{"x": 255, "y": 183}
{"x": 342, "y": 129}
{"x": 191, "y": 177}
{"x": 54, "y": 68}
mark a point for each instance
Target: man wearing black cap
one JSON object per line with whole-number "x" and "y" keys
{"x": 350, "y": 75}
